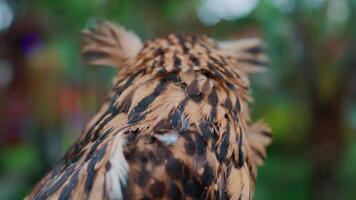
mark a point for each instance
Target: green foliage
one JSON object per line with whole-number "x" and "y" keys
{"x": 287, "y": 174}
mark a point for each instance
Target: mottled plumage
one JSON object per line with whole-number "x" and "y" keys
{"x": 175, "y": 126}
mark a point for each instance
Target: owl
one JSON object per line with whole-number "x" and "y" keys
{"x": 176, "y": 123}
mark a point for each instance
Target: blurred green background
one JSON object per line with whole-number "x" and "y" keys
{"x": 307, "y": 96}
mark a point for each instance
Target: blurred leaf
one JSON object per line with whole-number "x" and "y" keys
{"x": 19, "y": 158}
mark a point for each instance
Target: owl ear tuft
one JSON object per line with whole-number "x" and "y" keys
{"x": 109, "y": 44}
{"x": 249, "y": 52}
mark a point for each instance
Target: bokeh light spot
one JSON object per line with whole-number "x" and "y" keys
{"x": 211, "y": 12}
{"x": 6, "y": 15}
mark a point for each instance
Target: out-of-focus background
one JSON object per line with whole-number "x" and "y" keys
{"x": 308, "y": 94}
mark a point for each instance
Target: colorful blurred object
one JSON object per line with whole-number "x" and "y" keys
{"x": 308, "y": 95}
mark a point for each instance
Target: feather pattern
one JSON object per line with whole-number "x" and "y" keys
{"x": 176, "y": 125}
